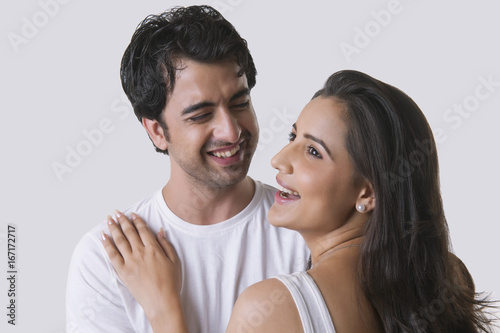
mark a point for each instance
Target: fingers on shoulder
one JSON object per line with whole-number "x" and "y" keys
{"x": 143, "y": 230}
{"x": 167, "y": 248}
{"x": 119, "y": 240}
{"x": 110, "y": 248}
{"x": 138, "y": 222}
{"x": 266, "y": 306}
{"x": 126, "y": 225}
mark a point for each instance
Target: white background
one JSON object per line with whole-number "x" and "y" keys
{"x": 63, "y": 79}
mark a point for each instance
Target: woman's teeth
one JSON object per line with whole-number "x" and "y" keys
{"x": 228, "y": 153}
{"x": 284, "y": 193}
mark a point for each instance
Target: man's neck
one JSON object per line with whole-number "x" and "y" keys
{"x": 202, "y": 205}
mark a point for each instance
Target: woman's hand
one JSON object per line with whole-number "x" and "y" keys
{"x": 149, "y": 268}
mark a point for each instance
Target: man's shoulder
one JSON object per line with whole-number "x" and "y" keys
{"x": 267, "y": 192}
{"x": 146, "y": 205}
{"x": 268, "y": 189}
{"x": 90, "y": 242}
{"x": 88, "y": 254}
{"x": 95, "y": 297}
{"x": 266, "y": 200}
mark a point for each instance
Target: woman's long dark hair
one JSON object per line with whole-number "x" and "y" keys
{"x": 407, "y": 271}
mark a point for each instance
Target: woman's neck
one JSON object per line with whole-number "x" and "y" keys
{"x": 326, "y": 245}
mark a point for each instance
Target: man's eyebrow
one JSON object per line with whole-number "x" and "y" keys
{"x": 242, "y": 92}
{"x": 201, "y": 105}
{"x": 194, "y": 107}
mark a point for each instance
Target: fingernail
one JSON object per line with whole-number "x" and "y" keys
{"x": 103, "y": 236}
{"x": 162, "y": 232}
{"x": 133, "y": 216}
{"x": 110, "y": 220}
{"x": 118, "y": 214}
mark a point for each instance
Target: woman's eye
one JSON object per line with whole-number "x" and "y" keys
{"x": 291, "y": 136}
{"x": 313, "y": 152}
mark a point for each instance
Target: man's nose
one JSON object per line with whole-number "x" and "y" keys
{"x": 227, "y": 127}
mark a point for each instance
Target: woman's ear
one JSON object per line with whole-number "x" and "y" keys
{"x": 156, "y": 133}
{"x": 366, "y": 199}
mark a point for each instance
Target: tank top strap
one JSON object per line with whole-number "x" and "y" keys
{"x": 309, "y": 301}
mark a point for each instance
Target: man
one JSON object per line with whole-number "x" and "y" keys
{"x": 188, "y": 75}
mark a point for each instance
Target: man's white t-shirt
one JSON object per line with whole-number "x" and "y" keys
{"x": 218, "y": 262}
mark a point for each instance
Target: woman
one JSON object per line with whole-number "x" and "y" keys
{"x": 360, "y": 184}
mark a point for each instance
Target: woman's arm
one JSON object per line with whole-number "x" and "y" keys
{"x": 149, "y": 268}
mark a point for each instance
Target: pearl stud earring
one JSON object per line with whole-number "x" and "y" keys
{"x": 360, "y": 208}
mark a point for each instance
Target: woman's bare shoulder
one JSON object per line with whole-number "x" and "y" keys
{"x": 339, "y": 285}
{"x": 266, "y": 306}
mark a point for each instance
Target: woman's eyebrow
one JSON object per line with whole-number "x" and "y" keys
{"x": 315, "y": 139}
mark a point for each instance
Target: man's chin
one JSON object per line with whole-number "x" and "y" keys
{"x": 230, "y": 176}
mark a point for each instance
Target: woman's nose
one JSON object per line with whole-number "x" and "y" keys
{"x": 281, "y": 161}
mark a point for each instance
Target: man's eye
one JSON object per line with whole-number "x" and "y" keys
{"x": 200, "y": 117}
{"x": 243, "y": 105}
{"x": 291, "y": 136}
{"x": 313, "y": 152}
